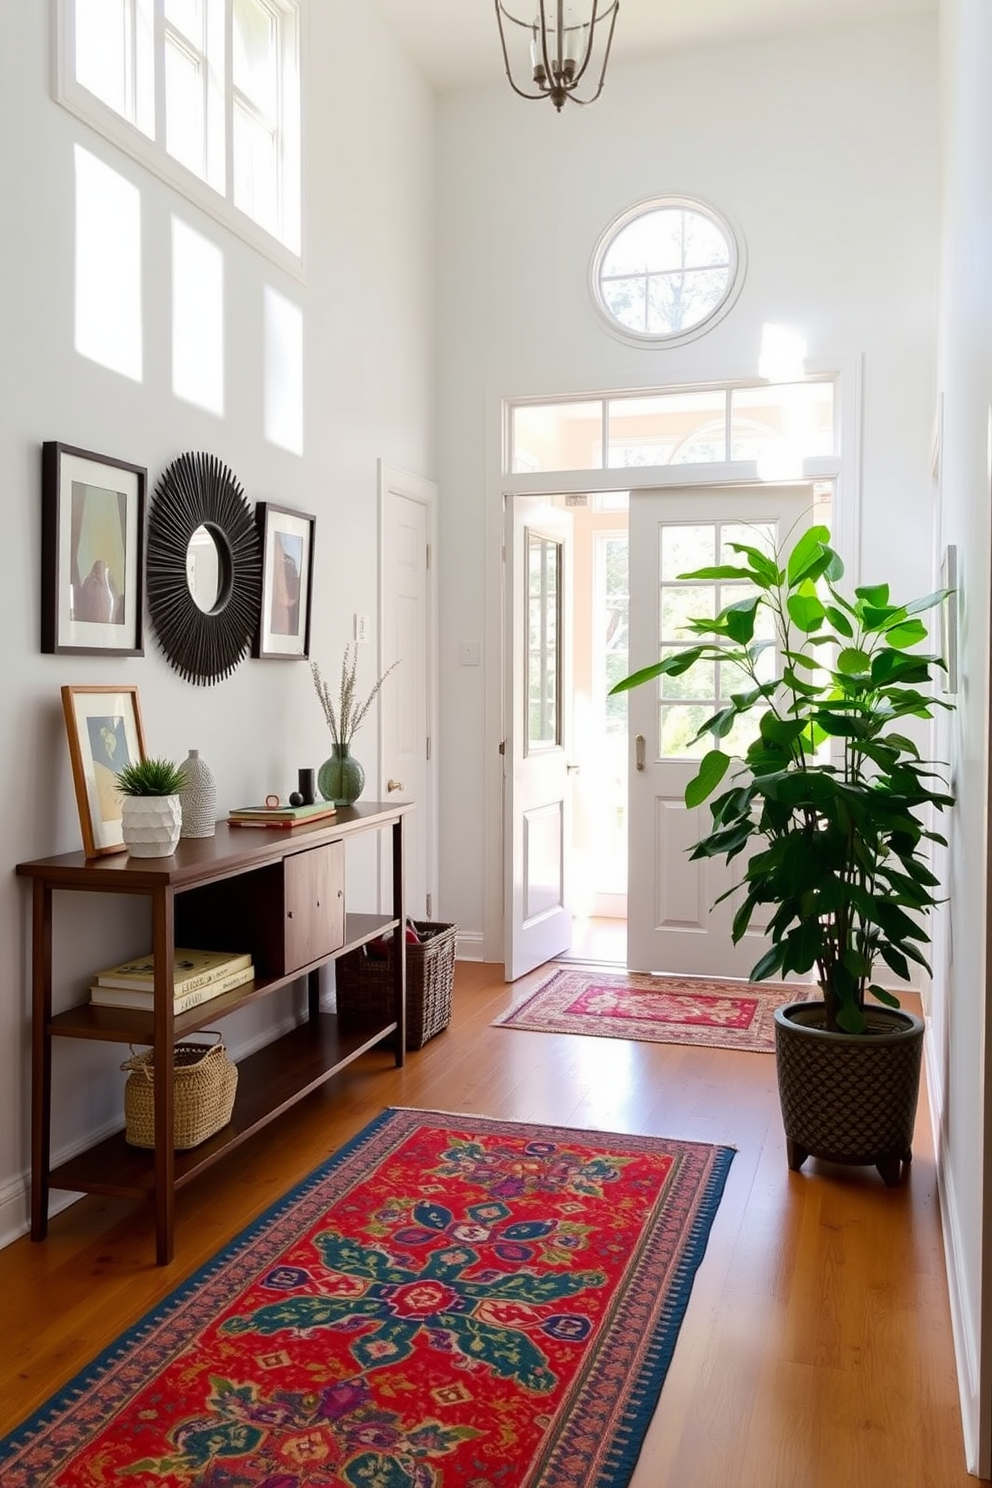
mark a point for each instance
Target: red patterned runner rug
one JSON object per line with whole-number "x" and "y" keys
{"x": 449, "y": 1302}
{"x": 659, "y": 1010}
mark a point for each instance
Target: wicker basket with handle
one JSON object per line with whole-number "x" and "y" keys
{"x": 204, "y": 1084}
{"x": 365, "y": 985}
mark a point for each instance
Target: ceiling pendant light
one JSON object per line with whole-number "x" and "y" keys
{"x": 560, "y": 54}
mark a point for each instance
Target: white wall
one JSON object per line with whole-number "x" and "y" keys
{"x": 957, "y": 1043}
{"x": 368, "y": 308}
{"x": 823, "y": 148}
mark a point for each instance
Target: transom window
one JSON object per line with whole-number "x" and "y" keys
{"x": 666, "y": 270}
{"x": 777, "y": 425}
{"x": 204, "y": 92}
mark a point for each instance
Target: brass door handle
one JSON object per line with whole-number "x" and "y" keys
{"x": 639, "y": 751}
{"x": 392, "y": 785}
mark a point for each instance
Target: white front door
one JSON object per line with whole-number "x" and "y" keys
{"x": 672, "y": 924}
{"x": 537, "y": 708}
{"x": 407, "y": 709}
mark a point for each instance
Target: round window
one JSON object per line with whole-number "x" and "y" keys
{"x": 667, "y": 270}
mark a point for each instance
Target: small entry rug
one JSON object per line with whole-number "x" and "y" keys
{"x": 449, "y": 1302}
{"x": 658, "y": 1010}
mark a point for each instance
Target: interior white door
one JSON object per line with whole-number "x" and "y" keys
{"x": 406, "y": 713}
{"x": 672, "y": 924}
{"x": 537, "y": 806}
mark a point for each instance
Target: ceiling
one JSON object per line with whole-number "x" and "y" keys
{"x": 455, "y": 43}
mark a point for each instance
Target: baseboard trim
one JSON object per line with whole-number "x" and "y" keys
{"x": 469, "y": 946}
{"x": 965, "y": 1344}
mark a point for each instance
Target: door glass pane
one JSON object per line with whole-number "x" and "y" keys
{"x": 613, "y": 624}
{"x": 679, "y": 605}
{"x": 543, "y": 643}
{"x": 685, "y": 702}
{"x": 685, "y": 547}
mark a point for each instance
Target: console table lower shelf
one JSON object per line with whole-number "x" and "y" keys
{"x": 280, "y": 896}
{"x": 269, "y": 1082}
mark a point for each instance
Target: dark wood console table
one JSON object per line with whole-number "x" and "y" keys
{"x": 277, "y": 893}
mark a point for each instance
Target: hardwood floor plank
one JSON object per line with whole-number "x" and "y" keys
{"x": 816, "y": 1350}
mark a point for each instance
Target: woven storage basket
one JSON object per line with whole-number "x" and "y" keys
{"x": 205, "y": 1081}
{"x": 365, "y": 985}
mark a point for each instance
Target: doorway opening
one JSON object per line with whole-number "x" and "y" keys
{"x": 616, "y": 584}
{"x": 600, "y": 598}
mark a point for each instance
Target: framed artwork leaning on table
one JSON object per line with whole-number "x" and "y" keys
{"x": 103, "y": 726}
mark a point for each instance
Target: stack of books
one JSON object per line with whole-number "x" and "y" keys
{"x": 280, "y": 816}
{"x": 198, "y": 976}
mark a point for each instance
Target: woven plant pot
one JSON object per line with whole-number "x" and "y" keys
{"x": 849, "y": 1098}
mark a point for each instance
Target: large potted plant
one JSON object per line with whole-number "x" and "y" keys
{"x": 832, "y": 800}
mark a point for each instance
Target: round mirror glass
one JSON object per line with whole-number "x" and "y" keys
{"x": 203, "y": 569}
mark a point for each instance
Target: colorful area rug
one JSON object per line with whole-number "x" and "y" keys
{"x": 659, "y": 1010}
{"x": 450, "y": 1302}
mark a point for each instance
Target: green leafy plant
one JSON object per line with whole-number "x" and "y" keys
{"x": 839, "y": 836}
{"x": 151, "y": 777}
{"x": 345, "y": 716}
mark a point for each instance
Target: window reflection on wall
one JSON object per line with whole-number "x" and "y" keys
{"x": 283, "y": 372}
{"x": 197, "y": 318}
{"x": 108, "y": 267}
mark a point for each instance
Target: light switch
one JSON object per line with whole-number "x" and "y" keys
{"x": 363, "y": 629}
{"x": 469, "y": 653}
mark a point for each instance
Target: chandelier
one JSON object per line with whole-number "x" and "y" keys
{"x": 560, "y": 55}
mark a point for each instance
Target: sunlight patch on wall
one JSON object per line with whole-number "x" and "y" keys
{"x": 197, "y": 318}
{"x": 108, "y": 267}
{"x": 782, "y": 357}
{"x": 283, "y": 372}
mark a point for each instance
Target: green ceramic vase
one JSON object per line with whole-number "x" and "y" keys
{"x": 341, "y": 778}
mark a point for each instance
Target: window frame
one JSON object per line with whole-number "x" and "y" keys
{"x": 737, "y": 249}
{"x": 217, "y": 200}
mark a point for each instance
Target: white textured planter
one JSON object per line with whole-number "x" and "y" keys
{"x": 151, "y": 825}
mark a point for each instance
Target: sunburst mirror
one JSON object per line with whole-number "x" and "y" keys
{"x": 203, "y": 568}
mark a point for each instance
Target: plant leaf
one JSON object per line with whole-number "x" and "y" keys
{"x": 808, "y": 551}
{"x": 712, "y": 768}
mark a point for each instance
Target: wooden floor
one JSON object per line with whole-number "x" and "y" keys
{"x": 816, "y": 1351}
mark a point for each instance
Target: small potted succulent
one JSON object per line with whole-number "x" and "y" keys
{"x": 833, "y": 803}
{"x": 151, "y": 812}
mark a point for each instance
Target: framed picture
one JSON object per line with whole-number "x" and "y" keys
{"x": 287, "y": 539}
{"x": 949, "y": 618}
{"x": 92, "y": 549}
{"x": 103, "y": 725}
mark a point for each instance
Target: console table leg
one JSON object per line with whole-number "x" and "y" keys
{"x": 163, "y": 935}
{"x": 41, "y": 1056}
{"x": 399, "y": 944}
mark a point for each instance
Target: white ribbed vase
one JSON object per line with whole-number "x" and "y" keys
{"x": 150, "y": 825}
{"x": 199, "y": 797}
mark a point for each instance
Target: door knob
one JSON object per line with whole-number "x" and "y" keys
{"x": 392, "y": 785}
{"x": 639, "y": 751}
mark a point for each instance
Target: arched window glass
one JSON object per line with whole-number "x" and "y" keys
{"x": 666, "y": 270}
